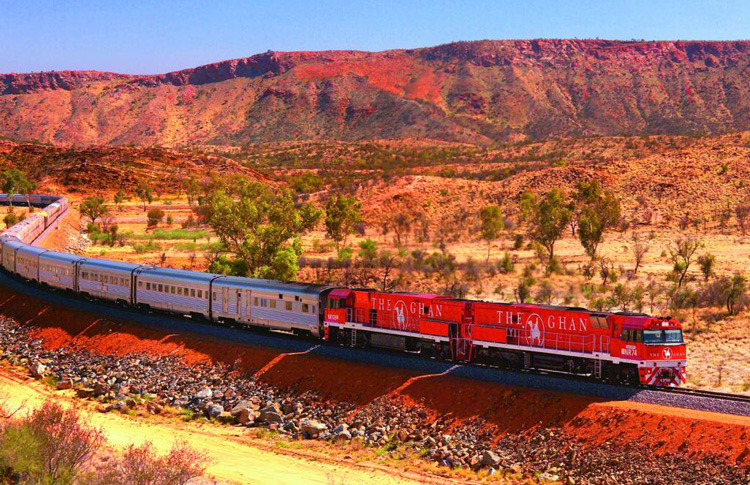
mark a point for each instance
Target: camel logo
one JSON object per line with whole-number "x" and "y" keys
{"x": 534, "y": 330}
{"x": 399, "y": 311}
{"x": 667, "y": 353}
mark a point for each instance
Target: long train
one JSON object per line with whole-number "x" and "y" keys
{"x": 617, "y": 347}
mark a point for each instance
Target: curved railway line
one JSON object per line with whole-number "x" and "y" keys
{"x": 702, "y": 400}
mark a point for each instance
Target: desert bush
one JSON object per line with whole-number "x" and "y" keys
{"x": 154, "y": 216}
{"x": 506, "y": 265}
{"x": 544, "y": 293}
{"x": 523, "y": 289}
{"x": 707, "y": 262}
{"x": 473, "y": 270}
{"x": 517, "y": 241}
{"x": 10, "y": 219}
{"x": 51, "y": 446}
{"x": 142, "y": 465}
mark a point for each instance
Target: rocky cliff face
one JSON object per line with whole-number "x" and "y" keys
{"x": 476, "y": 92}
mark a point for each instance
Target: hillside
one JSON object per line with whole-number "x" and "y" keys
{"x": 474, "y": 92}
{"x": 110, "y": 168}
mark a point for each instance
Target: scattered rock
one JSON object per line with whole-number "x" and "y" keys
{"x": 214, "y": 410}
{"x": 311, "y": 428}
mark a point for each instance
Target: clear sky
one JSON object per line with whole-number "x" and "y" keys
{"x": 141, "y": 37}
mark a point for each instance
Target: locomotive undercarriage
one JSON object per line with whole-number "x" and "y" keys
{"x": 492, "y": 357}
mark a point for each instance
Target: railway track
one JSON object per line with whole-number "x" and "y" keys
{"x": 725, "y": 396}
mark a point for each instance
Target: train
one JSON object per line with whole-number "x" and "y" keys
{"x": 617, "y": 347}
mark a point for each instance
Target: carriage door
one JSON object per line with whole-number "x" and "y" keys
{"x": 225, "y": 300}
{"x": 248, "y": 305}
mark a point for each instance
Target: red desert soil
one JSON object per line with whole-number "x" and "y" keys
{"x": 509, "y": 409}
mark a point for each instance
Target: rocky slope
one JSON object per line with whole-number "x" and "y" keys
{"x": 474, "y": 92}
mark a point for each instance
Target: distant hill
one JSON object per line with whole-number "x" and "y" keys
{"x": 474, "y": 92}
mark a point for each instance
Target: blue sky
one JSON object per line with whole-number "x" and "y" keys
{"x": 142, "y": 37}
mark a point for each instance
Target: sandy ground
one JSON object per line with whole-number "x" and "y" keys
{"x": 235, "y": 460}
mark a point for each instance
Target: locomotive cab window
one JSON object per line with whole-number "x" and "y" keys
{"x": 660, "y": 337}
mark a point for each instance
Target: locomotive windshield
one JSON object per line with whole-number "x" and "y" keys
{"x": 655, "y": 337}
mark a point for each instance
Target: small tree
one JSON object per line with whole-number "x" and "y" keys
{"x": 119, "y": 198}
{"x": 368, "y": 251}
{"x": 94, "y": 208}
{"x": 742, "y": 212}
{"x": 735, "y": 292}
{"x": 14, "y": 181}
{"x": 401, "y": 224}
{"x": 707, "y": 262}
{"x": 598, "y": 211}
{"x": 389, "y": 261}
{"x": 492, "y": 225}
{"x": 640, "y": 247}
{"x": 546, "y": 218}
{"x": 144, "y": 193}
{"x": 342, "y": 214}
{"x": 681, "y": 253}
{"x": 154, "y": 216}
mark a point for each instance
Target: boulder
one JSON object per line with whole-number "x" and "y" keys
{"x": 205, "y": 393}
{"x": 84, "y": 392}
{"x": 245, "y": 417}
{"x": 490, "y": 459}
{"x": 241, "y": 406}
{"x": 214, "y": 410}
{"x": 271, "y": 414}
{"x": 100, "y": 388}
{"x": 311, "y": 428}
{"x": 37, "y": 370}
{"x": 153, "y": 408}
{"x": 64, "y": 384}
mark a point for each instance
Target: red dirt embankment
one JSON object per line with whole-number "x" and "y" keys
{"x": 510, "y": 409}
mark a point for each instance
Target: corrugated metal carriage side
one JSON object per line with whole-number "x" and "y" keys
{"x": 178, "y": 291}
{"x": 267, "y": 303}
{"x": 27, "y": 261}
{"x": 105, "y": 279}
{"x": 58, "y": 270}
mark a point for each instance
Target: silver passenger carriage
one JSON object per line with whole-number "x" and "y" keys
{"x": 27, "y": 261}
{"x": 268, "y": 303}
{"x": 10, "y": 246}
{"x": 58, "y": 270}
{"x": 105, "y": 279}
{"x": 175, "y": 290}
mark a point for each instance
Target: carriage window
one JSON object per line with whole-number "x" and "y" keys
{"x": 263, "y": 302}
{"x": 281, "y": 297}
{"x": 161, "y": 287}
{"x": 192, "y": 292}
{"x": 289, "y": 306}
{"x": 256, "y": 301}
{"x": 305, "y": 308}
{"x": 273, "y": 303}
{"x": 140, "y": 284}
{"x": 214, "y": 296}
{"x": 179, "y": 291}
{"x": 148, "y": 285}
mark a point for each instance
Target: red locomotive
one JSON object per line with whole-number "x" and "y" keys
{"x": 619, "y": 347}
